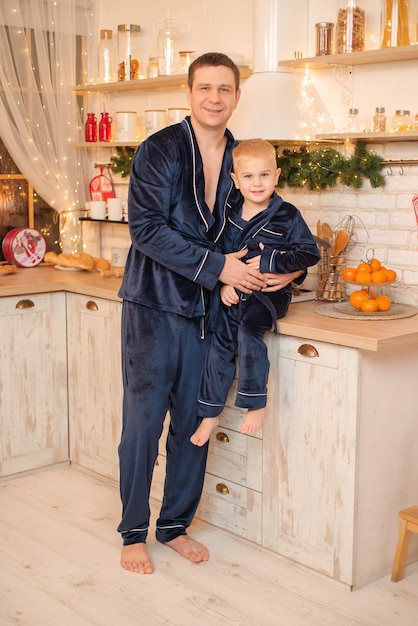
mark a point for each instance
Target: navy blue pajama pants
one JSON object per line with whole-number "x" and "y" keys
{"x": 162, "y": 359}
{"x": 241, "y": 327}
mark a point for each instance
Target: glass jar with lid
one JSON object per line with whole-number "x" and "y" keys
{"x": 353, "y": 124}
{"x": 168, "y": 52}
{"x": 395, "y": 27}
{"x": 351, "y": 27}
{"x": 324, "y": 38}
{"x": 379, "y": 120}
{"x": 402, "y": 120}
{"x": 129, "y": 50}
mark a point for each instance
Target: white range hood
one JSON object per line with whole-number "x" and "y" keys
{"x": 276, "y": 103}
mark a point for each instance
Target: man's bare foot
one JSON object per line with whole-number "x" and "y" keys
{"x": 203, "y": 432}
{"x": 189, "y": 548}
{"x": 134, "y": 558}
{"x": 253, "y": 421}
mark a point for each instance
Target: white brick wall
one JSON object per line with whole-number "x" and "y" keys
{"x": 385, "y": 218}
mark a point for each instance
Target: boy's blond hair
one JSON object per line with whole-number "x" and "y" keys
{"x": 250, "y": 148}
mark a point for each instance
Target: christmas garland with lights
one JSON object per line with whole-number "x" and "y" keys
{"x": 325, "y": 167}
{"x": 316, "y": 169}
{"x": 122, "y": 160}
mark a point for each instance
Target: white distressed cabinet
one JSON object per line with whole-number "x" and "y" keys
{"x": 33, "y": 375}
{"x": 94, "y": 383}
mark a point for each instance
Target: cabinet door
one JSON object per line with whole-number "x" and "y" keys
{"x": 33, "y": 375}
{"x": 94, "y": 383}
{"x": 309, "y": 454}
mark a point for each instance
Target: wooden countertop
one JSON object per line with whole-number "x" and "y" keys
{"x": 45, "y": 278}
{"x": 300, "y": 321}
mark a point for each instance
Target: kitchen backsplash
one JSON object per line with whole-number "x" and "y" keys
{"x": 384, "y": 217}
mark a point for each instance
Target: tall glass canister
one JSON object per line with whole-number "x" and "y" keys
{"x": 351, "y": 27}
{"x": 168, "y": 51}
{"x": 396, "y": 23}
{"x": 129, "y": 51}
{"x": 106, "y": 58}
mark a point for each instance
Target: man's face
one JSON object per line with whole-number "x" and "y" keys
{"x": 213, "y": 96}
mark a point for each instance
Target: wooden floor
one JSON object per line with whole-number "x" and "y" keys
{"x": 59, "y": 554}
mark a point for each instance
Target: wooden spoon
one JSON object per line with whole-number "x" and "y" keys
{"x": 341, "y": 241}
{"x": 327, "y": 233}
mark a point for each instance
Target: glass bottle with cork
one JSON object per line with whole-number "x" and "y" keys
{"x": 106, "y": 58}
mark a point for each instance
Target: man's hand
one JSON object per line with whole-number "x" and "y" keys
{"x": 275, "y": 282}
{"x": 240, "y": 275}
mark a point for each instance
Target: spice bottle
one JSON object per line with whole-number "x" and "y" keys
{"x": 129, "y": 51}
{"x": 152, "y": 67}
{"x": 379, "y": 120}
{"x": 168, "y": 56}
{"x": 105, "y": 127}
{"x": 353, "y": 125}
{"x": 90, "y": 128}
{"x": 324, "y": 38}
{"x": 106, "y": 58}
{"x": 351, "y": 27}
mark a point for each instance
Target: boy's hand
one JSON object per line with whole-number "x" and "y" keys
{"x": 228, "y": 295}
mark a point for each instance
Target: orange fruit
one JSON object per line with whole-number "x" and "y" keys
{"x": 390, "y": 275}
{"x": 364, "y": 267}
{"x": 383, "y": 303}
{"x": 369, "y": 306}
{"x": 363, "y": 277}
{"x": 357, "y": 298}
{"x": 349, "y": 273}
{"x": 375, "y": 265}
{"x": 379, "y": 276}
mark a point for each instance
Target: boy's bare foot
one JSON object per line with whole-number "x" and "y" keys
{"x": 253, "y": 421}
{"x": 189, "y": 548}
{"x": 134, "y": 558}
{"x": 203, "y": 432}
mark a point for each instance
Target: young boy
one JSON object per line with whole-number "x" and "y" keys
{"x": 278, "y": 240}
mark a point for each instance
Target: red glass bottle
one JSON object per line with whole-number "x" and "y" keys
{"x": 90, "y": 128}
{"x": 105, "y": 127}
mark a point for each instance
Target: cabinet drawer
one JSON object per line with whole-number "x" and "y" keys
{"x": 232, "y": 507}
{"x": 25, "y": 305}
{"x": 317, "y": 352}
{"x": 236, "y": 457}
{"x": 93, "y": 306}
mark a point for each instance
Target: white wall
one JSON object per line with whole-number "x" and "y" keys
{"x": 385, "y": 217}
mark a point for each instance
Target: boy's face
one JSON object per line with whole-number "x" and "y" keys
{"x": 213, "y": 96}
{"x": 256, "y": 178}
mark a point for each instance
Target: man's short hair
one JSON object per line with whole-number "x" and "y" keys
{"x": 215, "y": 59}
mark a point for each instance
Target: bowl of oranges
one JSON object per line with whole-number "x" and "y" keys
{"x": 369, "y": 276}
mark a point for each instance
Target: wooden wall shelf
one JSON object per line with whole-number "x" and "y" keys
{"x": 145, "y": 84}
{"x": 367, "y": 57}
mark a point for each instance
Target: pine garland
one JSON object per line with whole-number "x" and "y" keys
{"x": 122, "y": 160}
{"x": 316, "y": 169}
{"x": 326, "y": 167}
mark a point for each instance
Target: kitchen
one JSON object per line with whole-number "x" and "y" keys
{"x": 395, "y": 233}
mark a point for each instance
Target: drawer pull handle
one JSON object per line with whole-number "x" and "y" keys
{"x": 25, "y": 304}
{"x": 92, "y": 306}
{"x": 222, "y": 437}
{"x": 306, "y": 349}
{"x": 221, "y": 488}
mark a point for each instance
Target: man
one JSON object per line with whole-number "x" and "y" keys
{"x": 179, "y": 187}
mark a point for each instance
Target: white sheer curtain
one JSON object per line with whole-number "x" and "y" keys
{"x": 39, "y": 114}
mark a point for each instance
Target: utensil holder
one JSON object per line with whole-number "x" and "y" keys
{"x": 331, "y": 285}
